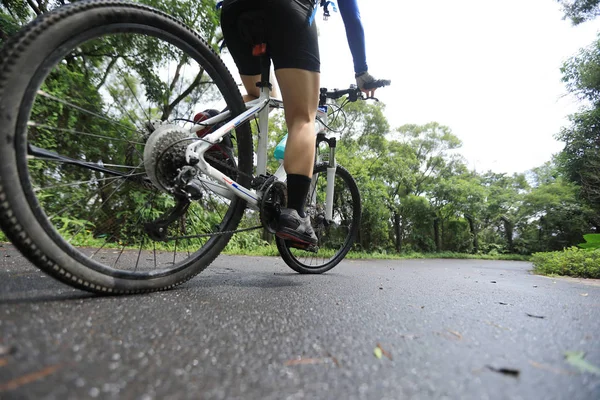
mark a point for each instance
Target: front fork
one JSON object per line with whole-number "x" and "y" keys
{"x": 331, "y": 167}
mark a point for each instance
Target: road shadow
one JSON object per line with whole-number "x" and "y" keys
{"x": 49, "y": 298}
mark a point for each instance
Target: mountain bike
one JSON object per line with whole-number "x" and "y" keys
{"x": 108, "y": 185}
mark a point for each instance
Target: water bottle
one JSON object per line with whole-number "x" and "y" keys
{"x": 280, "y": 149}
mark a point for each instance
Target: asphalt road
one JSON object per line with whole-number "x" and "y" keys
{"x": 250, "y": 328}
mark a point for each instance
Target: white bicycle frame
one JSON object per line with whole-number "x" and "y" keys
{"x": 227, "y": 187}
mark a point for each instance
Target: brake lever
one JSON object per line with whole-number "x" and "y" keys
{"x": 365, "y": 98}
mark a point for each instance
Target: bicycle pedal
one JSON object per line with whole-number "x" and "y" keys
{"x": 313, "y": 248}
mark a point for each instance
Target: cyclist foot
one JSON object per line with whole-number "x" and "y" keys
{"x": 296, "y": 229}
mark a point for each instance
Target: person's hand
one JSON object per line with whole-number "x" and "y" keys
{"x": 368, "y": 84}
{"x": 364, "y": 82}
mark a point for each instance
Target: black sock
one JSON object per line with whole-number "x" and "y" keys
{"x": 297, "y": 188}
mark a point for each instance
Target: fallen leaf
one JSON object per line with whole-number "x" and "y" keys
{"x": 3, "y": 362}
{"x": 458, "y": 335}
{"x": 583, "y": 294}
{"x": 25, "y": 379}
{"x": 506, "y": 371}
{"x": 496, "y": 325}
{"x": 378, "y": 353}
{"x": 575, "y": 358}
{"x": 535, "y": 316}
{"x": 550, "y": 368}
{"x": 385, "y": 353}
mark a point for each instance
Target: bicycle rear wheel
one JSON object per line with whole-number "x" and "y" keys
{"x": 336, "y": 236}
{"x": 77, "y": 89}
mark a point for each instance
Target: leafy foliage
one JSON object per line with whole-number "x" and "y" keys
{"x": 580, "y": 159}
{"x": 571, "y": 261}
{"x": 579, "y": 11}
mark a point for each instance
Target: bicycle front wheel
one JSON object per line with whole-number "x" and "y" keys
{"x": 78, "y": 196}
{"x": 337, "y": 235}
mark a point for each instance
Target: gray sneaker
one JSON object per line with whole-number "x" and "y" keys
{"x": 296, "y": 229}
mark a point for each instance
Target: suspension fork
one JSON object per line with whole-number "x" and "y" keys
{"x": 331, "y": 167}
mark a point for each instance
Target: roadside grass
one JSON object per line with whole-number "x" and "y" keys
{"x": 270, "y": 250}
{"x": 264, "y": 249}
{"x": 572, "y": 261}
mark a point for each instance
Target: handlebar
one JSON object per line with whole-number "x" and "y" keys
{"x": 352, "y": 92}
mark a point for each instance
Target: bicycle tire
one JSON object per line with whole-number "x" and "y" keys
{"x": 25, "y": 61}
{"x": 346, "y": 201}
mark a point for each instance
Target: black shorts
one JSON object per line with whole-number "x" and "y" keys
{"x": 291, "y": 41}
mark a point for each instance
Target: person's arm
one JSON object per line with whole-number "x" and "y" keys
{"x": 356, "y": 40}
{"x": 355, "y": 34}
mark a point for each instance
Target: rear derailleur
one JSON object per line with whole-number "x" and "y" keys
{"x": 186, "y": 189}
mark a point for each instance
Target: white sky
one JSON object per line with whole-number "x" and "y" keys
{"x": 489, "y": 70}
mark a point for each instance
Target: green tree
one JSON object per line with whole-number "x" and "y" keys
{"x": 13, "y": 14}
{"x": 552, "y": 216}
{"x": 363, "y": 151}
{"x": 502, "y": 204}
{"x": 459, "y": 200}
{"x": 580, "y": 158}
{"x": 432, "y": 158}
{"x": 579, "y": 11}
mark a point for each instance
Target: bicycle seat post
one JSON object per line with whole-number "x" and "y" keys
{"x": 260, "y": 50}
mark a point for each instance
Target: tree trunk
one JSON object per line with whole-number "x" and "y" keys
{"x": 398, "y": 232}
{"x": 473, "y": 232}
{"x": 508, "y": 230}
{"x": 436, "y": 232}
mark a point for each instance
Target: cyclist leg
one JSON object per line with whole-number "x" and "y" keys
{"x": 253, "y": 91}
{"x": 300, "y": 93}
{"x": 295, "y": 52}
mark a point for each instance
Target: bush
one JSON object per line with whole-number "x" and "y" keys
{"x": 571, "y": 261}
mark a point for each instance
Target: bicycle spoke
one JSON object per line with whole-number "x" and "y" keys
{"x": 43, "y": 126}
{"x": 135, "y": 97}
{"x": 144, "y": 237}
{"x": 36, "y": 158}
{"x": 73, "y": 184}
{"x": 122, "y": 108}
{"x": 44, "y": 94}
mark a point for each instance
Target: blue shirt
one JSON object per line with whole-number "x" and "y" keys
{"x": 355, "y": 33}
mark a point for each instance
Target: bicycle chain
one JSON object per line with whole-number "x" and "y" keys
{"x": 214, "y": 234}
